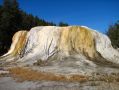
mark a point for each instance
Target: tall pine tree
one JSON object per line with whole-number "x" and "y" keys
{"x": 113, "y": 33}
{"x": 9, "y": 22}
{"x": 63, "y": 24}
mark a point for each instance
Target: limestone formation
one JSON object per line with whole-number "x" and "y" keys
{"x": 44, "y": 42}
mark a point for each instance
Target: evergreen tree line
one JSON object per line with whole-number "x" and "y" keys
{"x": 13, "y": 19}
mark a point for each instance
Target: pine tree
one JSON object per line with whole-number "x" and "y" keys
{"x": 16, "y": 15}
{"x": 5, "y": 22}
{"x": 63, "y": 24}
{"x": 10, "y": 22}
{"x": 113, "y": 33}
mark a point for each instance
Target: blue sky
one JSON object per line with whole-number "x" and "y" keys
{"x": 96, "y": 14}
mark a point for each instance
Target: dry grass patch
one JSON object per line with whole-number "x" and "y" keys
{"x": 112, "y": 77}
{"x": 32, "y": 75}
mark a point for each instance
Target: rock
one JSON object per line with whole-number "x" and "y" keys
{"x": 45, "y": 42}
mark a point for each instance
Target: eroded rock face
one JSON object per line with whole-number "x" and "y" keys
{"x": 44, "y": 42}
{"x": 18, "y": 42}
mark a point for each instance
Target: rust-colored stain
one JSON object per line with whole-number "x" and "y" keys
{"x": 21, "y": 36}
{"x": 32, "y": 75}
{"x": 77, "y": 39}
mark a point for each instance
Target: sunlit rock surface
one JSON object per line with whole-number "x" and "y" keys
{"x": 44, "y": 42}
{"x": 18, "y": 42}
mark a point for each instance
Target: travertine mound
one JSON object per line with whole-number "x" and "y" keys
{"x": 45, "y": 42}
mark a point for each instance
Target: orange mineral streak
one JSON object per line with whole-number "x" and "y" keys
{"x": 77, "y": 40}
{"x": 19, "y": 40}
